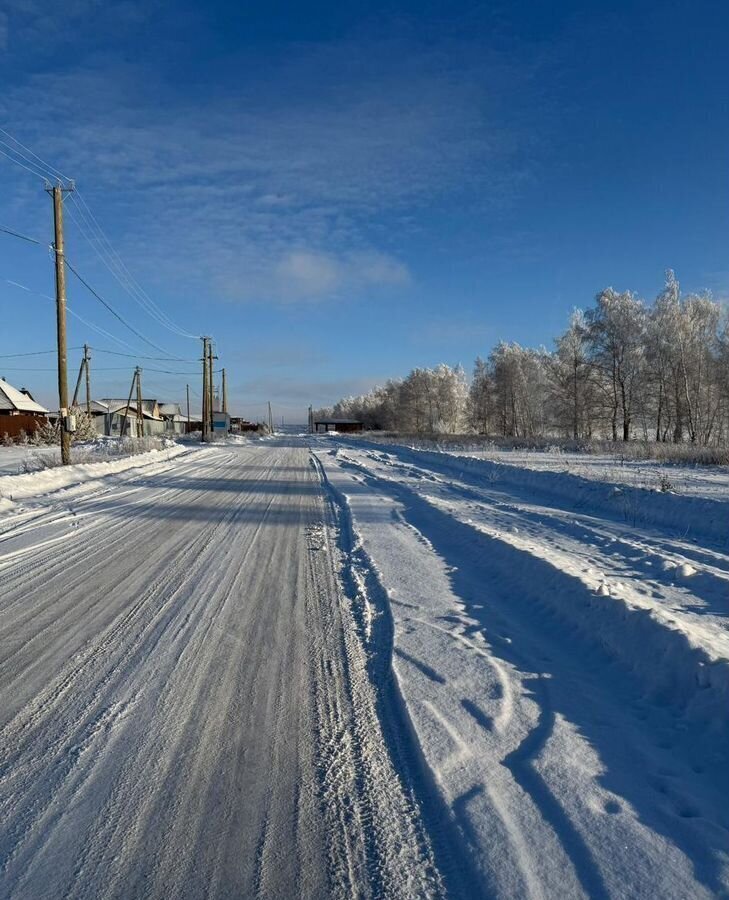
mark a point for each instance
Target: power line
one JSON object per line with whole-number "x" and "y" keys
{"x": 97, "y": 328}
{"x": 23, "y": 237}
{"x": 35, "y": 155}
{"x": 102, "y": 246}
{"x": 138, "y": 356}
{"x": 33, "y": 353}
{"x": 116, "y": 314}
{"x": 19, "y": 163}
{"x": 160, "y": 313}
{"x": 118, "y": 268}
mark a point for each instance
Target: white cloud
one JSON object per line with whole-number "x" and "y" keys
{"x": 303, "y": 274}
{"x": 277, "y": 195}
{"x": 311, "y": 275}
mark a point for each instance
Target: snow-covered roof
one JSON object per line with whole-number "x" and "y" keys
{"x": 328, "y": 421}
{"x": 149, "y": 407}
{"x": 12, "y": 398}
{"x": 170, "y": 409}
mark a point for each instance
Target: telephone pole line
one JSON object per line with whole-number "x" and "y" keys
{"x": 57, "y": 193}
{"x": 129, "y": 400}
{"x": 78, "y": 381}
{"x": 205, "y": 412}
{"x": 140, "y": 412}
{"x": 211, "y": 404}
{"x": 87, "y": 360}
{"x": 225, "y": 394}
{"x": 187, "y": 389}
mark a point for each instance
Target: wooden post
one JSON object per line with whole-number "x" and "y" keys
{"x": 126, "y": 408}
{"x": 225, "y": 394}
{"x": 140, "y": 411}
{"x": 57, "y": 194}
{"x": 87, "y": 360}
{"x": 211, "y": 405}
{"x": 205, "y": 413}
{"x": 78, "y": 382}
{"x": 187, "y": 427}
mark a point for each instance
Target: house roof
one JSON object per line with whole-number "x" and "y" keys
{"x": 170, "y": 409}
{"x": 149, "y": 407}
{"x": 337, "y": 421}
{"x": 12, "y": 398}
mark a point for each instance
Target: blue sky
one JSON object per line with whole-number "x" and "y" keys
{"x": 339, "y": 192}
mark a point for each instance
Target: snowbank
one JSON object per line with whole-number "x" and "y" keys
{"x": 33, "y": 485}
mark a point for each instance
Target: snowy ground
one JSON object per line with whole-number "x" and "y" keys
{"x": 17, "y": 459}
{"x": 319, "y": 667}
{"x": 562, "y": 651}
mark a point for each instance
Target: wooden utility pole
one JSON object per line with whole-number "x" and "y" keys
{"x": 211, "y": 404}
{"x": 205, "y": 412}
{"x": 78, "y": 382}
{"x": 270, "y": 418}
{"x": 129, "y": 400}
{"x": 57, "y": 195}
{"x": 225, "y": 394}
{"x": 187, "y": 428}
{"x": 140, "y": 411}
{"x": 87, "y": 360}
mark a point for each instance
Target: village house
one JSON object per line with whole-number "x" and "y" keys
{"x": 110, "y": 413}
{"x": 19, "y": 412}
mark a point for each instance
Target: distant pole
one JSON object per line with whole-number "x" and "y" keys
{"x": 78, "y": 382}
{"x": 211, "y": 398}
{"x": 129, "y": 400}
{"x": 187, "y": 388}
{"x": 87, "y": 360}
{"x": 57, "y": 195}
{"x": 225, "y": 394}
{"x": 270, "y": 418}
{"x": 205, "y": 414}
{"x": 140, "y": 412}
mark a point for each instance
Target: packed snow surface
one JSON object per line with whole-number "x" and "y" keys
{"x": 319, "y": 667}
{"x": 562, "y": 651}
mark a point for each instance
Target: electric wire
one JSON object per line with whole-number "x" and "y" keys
{"x": 116, "y": 314}
{"x": 97, "y": 328}
{"x": 33, "y": 353}
{"x": 118, "y": 268}
{"x": 35, "y": 155}
{"x": 19, "y": 163}
{"x": 163, "y": 317}
{"x": 108, "y": 255}
{"x": 17, "y": 234}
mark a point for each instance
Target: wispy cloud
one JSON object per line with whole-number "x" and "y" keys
{"x": 282, "y": 193}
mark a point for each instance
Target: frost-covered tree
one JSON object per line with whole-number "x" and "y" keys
{"x": 520, "y": 389}
{"x": 480, "y": 403}
{"x": 570, "y": 374}
{"x": 616, "y": 334}
{"x": 620, "y": 367}
{"x": 699, "y": 350}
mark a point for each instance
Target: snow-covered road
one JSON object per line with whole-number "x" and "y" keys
{"x": 324, "y": 668}
{"x": 186, "y": 708}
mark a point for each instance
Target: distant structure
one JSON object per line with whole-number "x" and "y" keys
{"x": 19, "y": 411}
{"x": 343, "y": 426}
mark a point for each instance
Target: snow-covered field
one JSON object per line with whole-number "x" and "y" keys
{"x": 322, "y": 667}
{"x": 561, "y": 647}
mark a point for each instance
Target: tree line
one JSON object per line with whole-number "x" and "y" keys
{"x": 622, "y": 369}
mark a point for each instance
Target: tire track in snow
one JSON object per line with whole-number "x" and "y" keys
{"x": 512, "y": 629}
